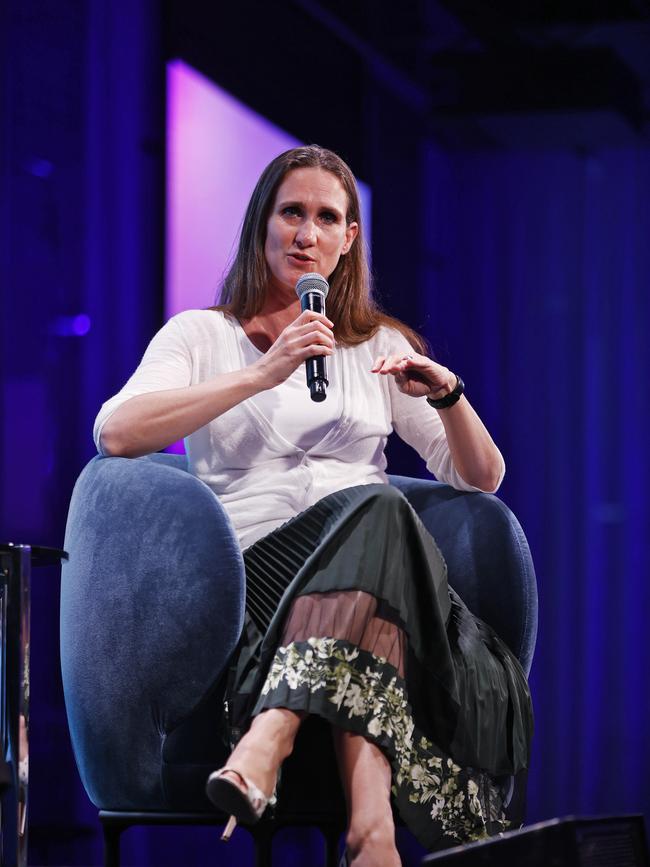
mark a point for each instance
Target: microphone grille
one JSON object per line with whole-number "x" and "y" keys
{"x": 312, "y": 283}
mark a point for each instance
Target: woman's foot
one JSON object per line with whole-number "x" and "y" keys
{"x": 259, "y": 754}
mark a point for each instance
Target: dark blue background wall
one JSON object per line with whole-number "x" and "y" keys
{"x": 527, "y": 267}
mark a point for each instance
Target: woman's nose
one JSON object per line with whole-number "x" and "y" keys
{"x": 306, "y": 234}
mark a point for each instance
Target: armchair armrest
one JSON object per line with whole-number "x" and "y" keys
{"x": 152, "y": 603}
{"x": 488, "y": 558}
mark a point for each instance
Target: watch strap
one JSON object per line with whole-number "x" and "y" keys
{"x": 449, "y": 399}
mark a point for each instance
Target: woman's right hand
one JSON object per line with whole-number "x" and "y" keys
{"x": 308, "y": 335}
{"x": 151, "y": 421}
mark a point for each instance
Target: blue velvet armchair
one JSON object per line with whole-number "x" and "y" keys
{"x": 152, "y": 604}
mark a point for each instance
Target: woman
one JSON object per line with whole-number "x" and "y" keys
{"x": 349, "y": 615}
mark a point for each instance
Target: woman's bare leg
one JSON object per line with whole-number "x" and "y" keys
{"x": 366, "y": 776}
{"x": 264, "y": 747}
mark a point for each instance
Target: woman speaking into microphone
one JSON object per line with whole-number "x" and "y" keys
{"x": 348, "y": 612}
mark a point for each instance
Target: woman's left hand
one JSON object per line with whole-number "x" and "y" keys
{"x": 416, "y": 375}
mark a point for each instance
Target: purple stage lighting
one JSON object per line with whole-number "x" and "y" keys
{"x": 71, "y": 326}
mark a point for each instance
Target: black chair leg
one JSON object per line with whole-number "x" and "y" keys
{"x": 331, "y": 846}
{"x": 112, "y": 834}
{"x": 263, "y": 838}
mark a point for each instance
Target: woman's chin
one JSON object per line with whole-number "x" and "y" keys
{"x": 292, "y": 275}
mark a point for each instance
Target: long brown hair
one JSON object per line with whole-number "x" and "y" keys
{"x": 350, "y": 305}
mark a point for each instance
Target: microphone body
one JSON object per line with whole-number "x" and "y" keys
{"x": 312, "y": 290}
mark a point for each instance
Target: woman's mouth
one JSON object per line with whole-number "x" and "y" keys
{"x": 299, "y": 258}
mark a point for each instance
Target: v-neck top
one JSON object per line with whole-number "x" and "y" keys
{"x": 264, "y": 459}
{"x": 288, "y": 407}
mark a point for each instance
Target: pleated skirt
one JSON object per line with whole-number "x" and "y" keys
{"x": 349, "y": 616}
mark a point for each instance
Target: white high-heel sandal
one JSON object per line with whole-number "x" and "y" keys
{"x": 242, "y": 806}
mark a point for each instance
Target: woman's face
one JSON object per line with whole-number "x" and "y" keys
{"x": 306, "y": 230}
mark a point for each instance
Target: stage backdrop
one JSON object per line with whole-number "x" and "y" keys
{"x": 536, "y": 271}
{"x": 532, "y": 283}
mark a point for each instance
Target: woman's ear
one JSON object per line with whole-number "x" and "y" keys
{"x": 351, "y": 232}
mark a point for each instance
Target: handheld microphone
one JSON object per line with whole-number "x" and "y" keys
{"x": 312, "y": 290}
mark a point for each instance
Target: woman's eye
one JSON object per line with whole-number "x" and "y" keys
{"x": 328, "y": 217}
{"x": 291, "y": 211}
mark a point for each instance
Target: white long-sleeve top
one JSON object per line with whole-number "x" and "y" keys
{"x": 277, "y": 453}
